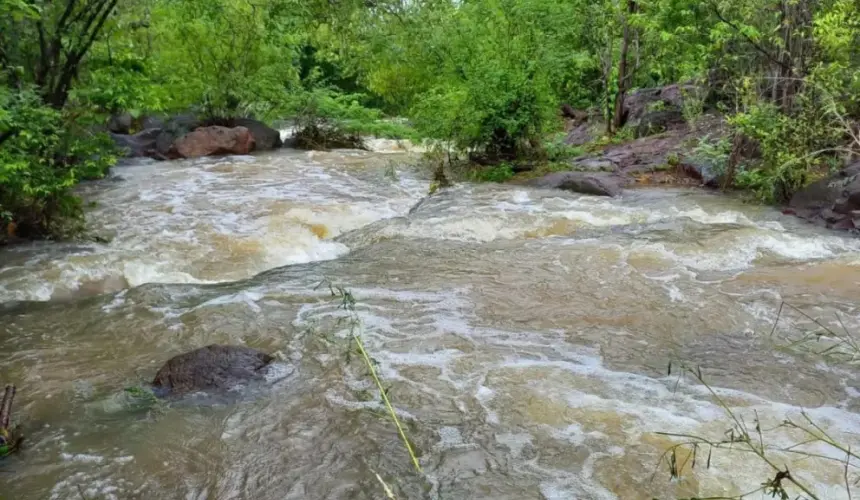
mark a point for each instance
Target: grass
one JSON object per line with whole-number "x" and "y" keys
{"x": 348, "y": 303}
{"x": 497, "y": 173}
{"x": 752, "y": 438}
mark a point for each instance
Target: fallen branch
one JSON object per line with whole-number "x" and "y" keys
{"x": 6, "y": 407}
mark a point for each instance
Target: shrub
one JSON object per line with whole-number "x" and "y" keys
{"x": 42, "y": 158}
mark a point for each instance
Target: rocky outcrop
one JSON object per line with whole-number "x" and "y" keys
{"x": 595, "y": 184}
{"x": 141, "y": 144}
{"x": 212, "y": 141}
{"x": 216, "y": 368}
{"x": 581, "y": 134}
{"x": 639, "y": 103}
{"x": 640, "y": 155}
{"x": 656, "y": 122}
{"x": 833, "y": 202}
{"x": 161, "y": 139}
{"x": 664, "y": 159}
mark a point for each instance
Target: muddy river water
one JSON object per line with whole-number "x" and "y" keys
{"x": 524, "y": 336}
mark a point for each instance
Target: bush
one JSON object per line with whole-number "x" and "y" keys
{"x": 793, "y": 147}
{"x": 325, "y": 119}
{"x": 499, "y": 173}
{"x": 41, "y": 159}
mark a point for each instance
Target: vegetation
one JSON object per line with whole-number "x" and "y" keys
{"x": 482, "y": 77}
{"x": 348, "y": 304}
{"x": 751, "y": 437}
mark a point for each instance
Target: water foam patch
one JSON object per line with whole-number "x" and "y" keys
{"x": 210, "y": 220}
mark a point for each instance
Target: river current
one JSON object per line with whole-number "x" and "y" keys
{"x": 525, "y": 336}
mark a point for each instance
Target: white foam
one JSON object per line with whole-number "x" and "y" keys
{"x": 82, "y": 457}
{"x": 212, "y": 220}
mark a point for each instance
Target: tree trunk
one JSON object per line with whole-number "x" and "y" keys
{"x": 738, "y": 142}
{"x": 618, "y": 116}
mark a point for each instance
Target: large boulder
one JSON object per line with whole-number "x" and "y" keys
{"x": 596, "y": 184}
{"x": 212, "y": 141}
{"x": 174, "y": 128}
{"x": 217, "y": 368}
{"x": 265, "y": 136}
{"x": 833, "y": 202}
{"x": 141, "y": 144}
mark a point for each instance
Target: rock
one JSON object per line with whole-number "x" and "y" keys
{"x": 211, "y": 368}
{"x": 211, "y": 141}
{"x": 576, "y": 116}
{"x": 581, "y": 134}
{"x": 702, "y": 170}
{"x": 567, "y": 111}
{"x": 656, "y": 122}
{"x": 176, "y": 127}
{"x": 148, "y": 122}
{"x": 141, "y": 144}
{"x": 164, "y": 143}
{"x": 120, "y": 124}
{"x": 597, "y": 184}
{"x": 833, "y": 202}
{"x": 593, "y": 165}
{"x": 646, "y": 153}
{"x": 639, "y": 103}
{"x": 265, "y": 137}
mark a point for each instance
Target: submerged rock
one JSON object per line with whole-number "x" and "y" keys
{"x": 597, "y": 184}
{"x": 211, "y": 368}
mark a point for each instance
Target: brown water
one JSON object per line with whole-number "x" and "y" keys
{"x": 525, "y": 336}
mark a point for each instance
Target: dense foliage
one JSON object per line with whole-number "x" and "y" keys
{"x": 483, "y": 76}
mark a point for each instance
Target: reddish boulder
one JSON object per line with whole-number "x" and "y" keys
{"x": 213, "y": 141}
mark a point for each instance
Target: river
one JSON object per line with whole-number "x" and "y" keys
{"x": 525, "y": 336}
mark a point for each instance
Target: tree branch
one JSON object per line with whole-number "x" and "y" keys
{"x": 752, "y": 42}
{"x": 6, "y": 407}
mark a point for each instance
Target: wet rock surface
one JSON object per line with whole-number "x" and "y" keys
{"x": 833, "y": 202}
{"x": 218, "y": 368}
{"x": 596, "y": 184}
